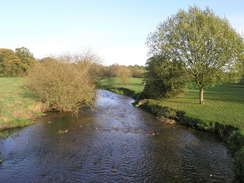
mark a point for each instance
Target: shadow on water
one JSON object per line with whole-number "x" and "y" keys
{"x": 114, "y": 142}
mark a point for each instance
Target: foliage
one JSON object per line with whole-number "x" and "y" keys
{"x": 113, "y": 70}
{"x": 10, "y": 64}
{"x": 121, "y": 71}
{"x": 124, "y": 74}
{"x": 137, "y": 71}
{"x": 210, "y": 48}
{"x": 108, "y": 82}
{"x": 26, "y": 57}
{"x": 62, "y": 83}
{"x": 239, "y": 157}
{"x": 165, "y": 79}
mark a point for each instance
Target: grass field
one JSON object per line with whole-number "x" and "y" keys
{"x": 17, "y": 106}
{"x": 135, "y": 84}
{"x": 223, "y": 104}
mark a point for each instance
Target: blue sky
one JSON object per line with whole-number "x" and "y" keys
{"x": 116, "y": 30}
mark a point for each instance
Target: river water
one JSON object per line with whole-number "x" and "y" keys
{"x": 115, "y": 142}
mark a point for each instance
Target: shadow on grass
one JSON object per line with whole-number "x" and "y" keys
{"x": 26, "y": 93}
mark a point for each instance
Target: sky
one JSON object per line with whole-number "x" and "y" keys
{"x": 115, "y": 30}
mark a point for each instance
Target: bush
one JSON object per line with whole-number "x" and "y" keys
{"x": 165, "y": 79}
{"x": 63, "y": 84}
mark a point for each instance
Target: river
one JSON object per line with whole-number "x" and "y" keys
{"x": 114, "y": 142}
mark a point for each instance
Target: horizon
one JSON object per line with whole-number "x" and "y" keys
{"x": 115, "y": 31}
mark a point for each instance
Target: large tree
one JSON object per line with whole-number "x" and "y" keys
{"x": 209, "y": 47}
{"x": 26, "y": 57}
{"x": 10, "y": 64}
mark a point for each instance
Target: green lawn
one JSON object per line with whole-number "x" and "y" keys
{"x": 223, "y": 104}
{"x": 135, "y": 84}
{"x": 17, "y": 106}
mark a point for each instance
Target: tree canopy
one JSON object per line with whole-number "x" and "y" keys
{"x": 164, "y": 78}
{"x": 210, "y": 49}
{"x": 26, "y": 57}
{"x": 10, "y": 64}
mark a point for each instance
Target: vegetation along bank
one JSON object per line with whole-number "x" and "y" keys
{"x": 191, "y": 49}
{"x": 221, "y": 114}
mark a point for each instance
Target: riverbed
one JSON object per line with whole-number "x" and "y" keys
{"x": 113, "y": 142}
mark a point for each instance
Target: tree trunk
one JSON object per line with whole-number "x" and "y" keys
{"x": 201, "y": 96}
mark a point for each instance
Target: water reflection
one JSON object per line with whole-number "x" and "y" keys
{"x": 114, "y": 142}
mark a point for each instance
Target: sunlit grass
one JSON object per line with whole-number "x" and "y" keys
{"x": 223, "y": 104}
{"x": 18, "y": 107}
{"x": 134, "y": 84}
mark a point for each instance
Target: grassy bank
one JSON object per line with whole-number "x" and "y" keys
{"x": 18, "y": 107}
{"x": 222, "y": 112}
{"x": 223, "y": 104}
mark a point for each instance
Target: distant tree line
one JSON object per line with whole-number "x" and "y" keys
{"x": 16, "y": 63}
{"x": 64, "y": 82}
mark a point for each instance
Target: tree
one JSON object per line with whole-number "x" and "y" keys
{"x": 92, "y": 61}
{"x": 209, "y": 47}
{"x": 26, "y": 57}
{"x": 10, "y": 64}
{"x": 136, "y": 71}
{"x": 61, "y": 83}
{"x": 121, "y": 71}
{"x": 114, "y": 70}
{"x": 124, "y": 74}
{"x": 165, "y": 79}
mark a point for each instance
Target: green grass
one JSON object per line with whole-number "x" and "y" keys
{"x": 223, "y": 104}
{"x": 18, "y": 107}
{"x": 135, "y": 84}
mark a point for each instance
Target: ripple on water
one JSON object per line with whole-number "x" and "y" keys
{"x": 115, "y": 142}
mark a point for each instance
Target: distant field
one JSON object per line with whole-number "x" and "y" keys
{"x": 135, "y": 84}
{"x": 223, "y": 104}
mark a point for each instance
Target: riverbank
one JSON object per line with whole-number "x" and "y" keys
{"x": 221, "y": 114}
{"x": 234, "y": 136}
{"x": 18, "y": 107}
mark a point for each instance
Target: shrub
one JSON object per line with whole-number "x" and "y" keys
{"x": 63, "y": 84}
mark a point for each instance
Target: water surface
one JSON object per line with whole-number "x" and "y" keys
{"x": 114, "y": 142}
